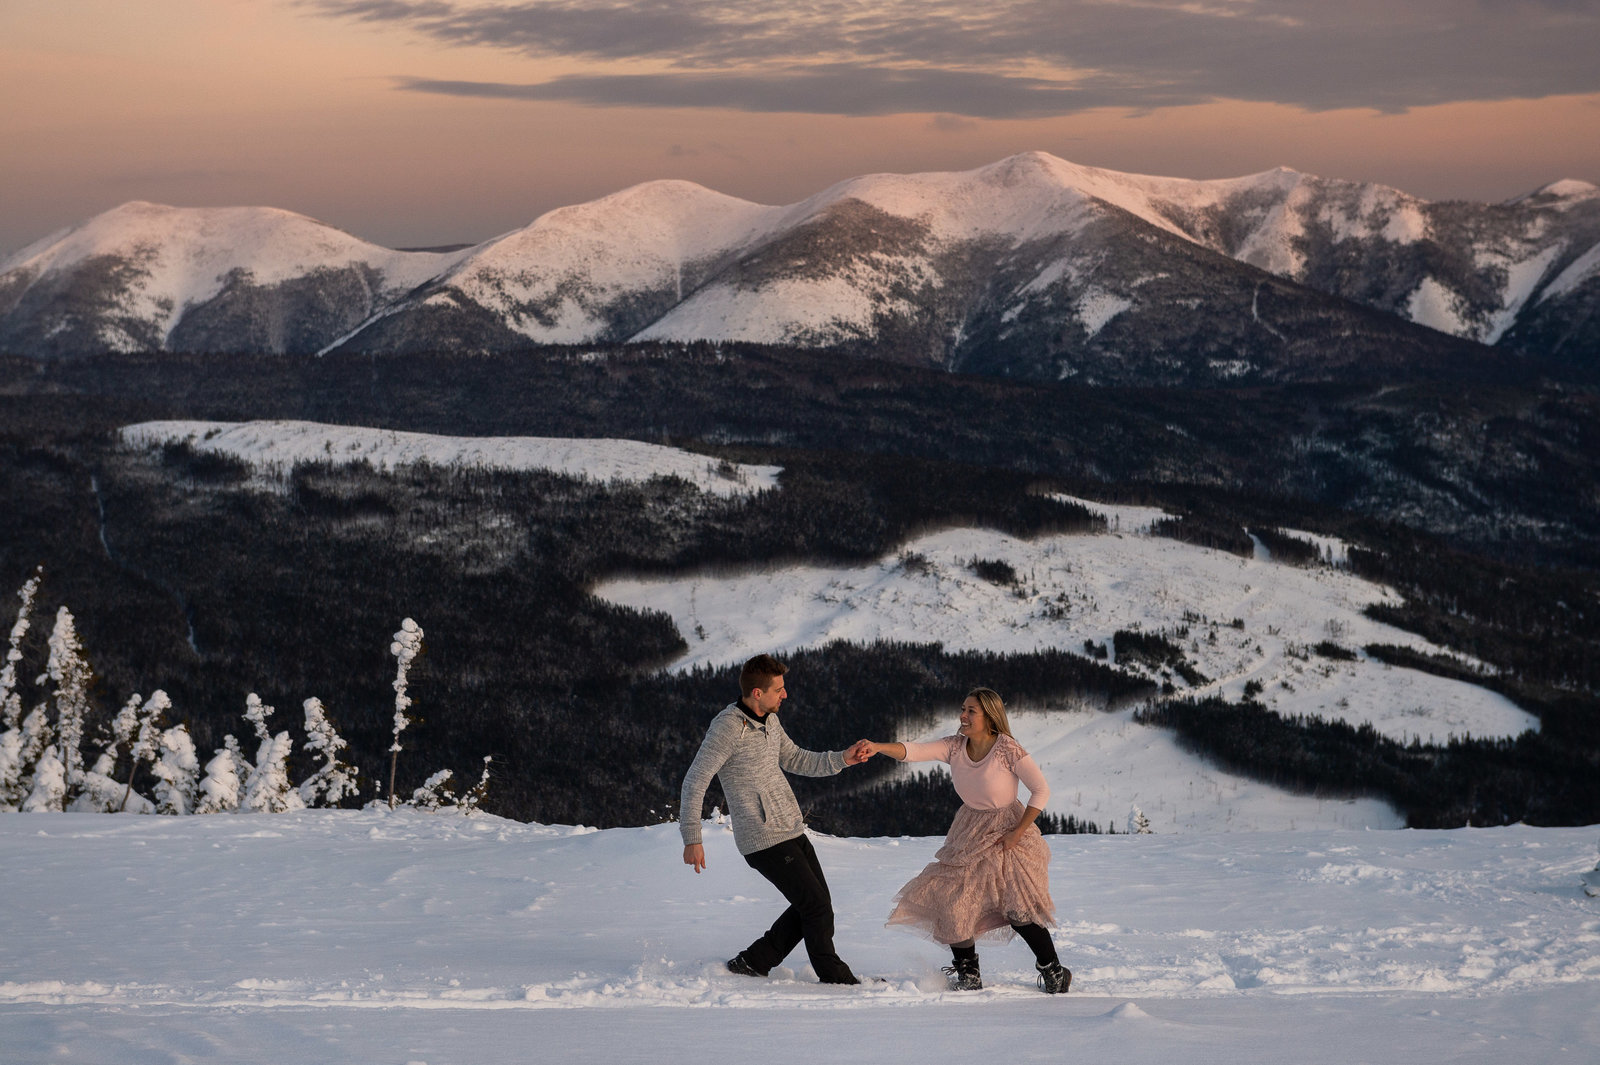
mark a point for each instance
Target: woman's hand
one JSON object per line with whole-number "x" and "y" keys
{"x": 1010, "y": 840}
{"x": 867, "y": 749}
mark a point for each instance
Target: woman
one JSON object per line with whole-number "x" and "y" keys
{"x": 991, "y": 877}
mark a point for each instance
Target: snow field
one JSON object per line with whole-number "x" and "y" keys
{"x": 406, "y": 936}
{"x": 1073, "y": 589}
{"x": 277, "y": 446}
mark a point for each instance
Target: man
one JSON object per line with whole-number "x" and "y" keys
{"x": 746, "y": 748}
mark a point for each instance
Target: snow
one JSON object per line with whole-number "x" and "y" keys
{"x": 1097, "y": 307}
{"x": 1119, "y": 517}
{"x": 1433, "y": 304}
{"x": 831, "y": 308}
{"x": 1585, "y": 267}
{"x": 1085, "y": 588}
{"x": 280, "y": 445}
{"x": 1522, "y": 277}
{"x": 441, "y": 939}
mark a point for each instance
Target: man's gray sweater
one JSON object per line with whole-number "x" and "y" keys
{"x": 750, "y": 758}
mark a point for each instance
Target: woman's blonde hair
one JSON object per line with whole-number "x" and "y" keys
{"x": 993, "y": 709}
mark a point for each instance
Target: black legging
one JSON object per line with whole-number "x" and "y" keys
{"x": 1037, "y": 938}
{"x": 793, "y": 868}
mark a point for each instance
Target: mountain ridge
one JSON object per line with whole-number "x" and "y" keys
{"x": 1030, "y": 266}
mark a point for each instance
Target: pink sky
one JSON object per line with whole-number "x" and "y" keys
{"x": 415, "y": 124}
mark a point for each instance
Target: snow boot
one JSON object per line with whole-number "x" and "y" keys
{"x": 1054, "y": 978}
{"x": 740, "y": 965}
{"x": 964, "y": 975}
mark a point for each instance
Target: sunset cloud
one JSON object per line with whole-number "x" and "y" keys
{"x": 1015, "y": 58}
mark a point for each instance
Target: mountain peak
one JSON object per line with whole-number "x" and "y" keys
{"x": 1567, "y": 189}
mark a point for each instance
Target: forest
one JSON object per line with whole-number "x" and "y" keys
{"x": 185, "y": 574}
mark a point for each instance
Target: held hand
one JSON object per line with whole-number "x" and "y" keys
{"x": 859, "y": 752}
{"x": 695, "y": 854}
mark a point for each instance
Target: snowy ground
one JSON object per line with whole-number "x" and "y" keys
{"x": 1077, "y": 588}
{"x": 409, "y": 937}
{"x": 276, "y": 446}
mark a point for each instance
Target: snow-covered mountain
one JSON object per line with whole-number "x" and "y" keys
{"x": 143, "y": 277}
{"x": 1031, "y": 266}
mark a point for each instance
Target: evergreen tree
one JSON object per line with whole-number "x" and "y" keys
{"x": 1138, "y": 823}
{"x": 176, "y": 771}
{"x": 13, "y": 779}
{"x": 335, "y": 779}
{"x": 267, "y": 789}
{"x": 220, "y": 791}
{"x": 147, "y": 743}
{"x": 70, "y": 673}
{"x": 435, "y": 792}
{"x": 49, "y": 790}
{"x": 407, "y": 644}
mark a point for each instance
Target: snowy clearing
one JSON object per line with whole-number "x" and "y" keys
{"x": 1073, "y": 589}
{"x": 279, "y": 445}
{"x": 409, "y": 937}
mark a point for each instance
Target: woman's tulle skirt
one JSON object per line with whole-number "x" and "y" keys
{"x": 974, "y": 887}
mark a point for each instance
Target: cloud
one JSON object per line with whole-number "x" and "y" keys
{"x": 835, "y": 89}
{"x": 1017, "y": 58}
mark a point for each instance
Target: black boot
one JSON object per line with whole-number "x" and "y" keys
{"x": 963, "y": 974}
{"x": 1054, "y": 978}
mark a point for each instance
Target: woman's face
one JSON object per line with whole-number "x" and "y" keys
{"x": 974, "y": 723}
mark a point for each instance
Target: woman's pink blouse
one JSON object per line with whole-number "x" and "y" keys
{"x": 991, "y": 783}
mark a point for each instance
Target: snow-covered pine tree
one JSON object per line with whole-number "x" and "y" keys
{"x": 101, "y": 793}
{"x": 49, "y": 784}
{"x": 14, "y": 783}
{"x": 69, "y": 671}
{"x": 34, "y": 737}
{"x": 268, "y": 789}
{"x": 147, "y": 742}
{"x": 12, "y": 791}
{"x": 435, "y": 792}
{"x": 177, "y": 772}
{"x": 407, "y": 644}
{"x": 10, "y": 698}
{"x": 1138, "y": 823}
{"x": 221, "y": 790}
{"x": 335, "y": 779}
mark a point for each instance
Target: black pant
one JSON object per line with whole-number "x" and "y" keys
{"x": 793, "y": 868}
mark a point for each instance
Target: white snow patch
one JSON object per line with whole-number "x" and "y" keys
{"x": 1579, "y": 271}
{"x": 280, "y": 445}
{"x": 1434, "y": 305}
{"x": 784, "y": 310}
{"x": 1120, "y": 517}
{"x": 1096, "y": 308}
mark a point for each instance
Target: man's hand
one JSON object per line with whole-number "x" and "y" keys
{"x": 695, "y": 854}
{"x": 859, "y": 752}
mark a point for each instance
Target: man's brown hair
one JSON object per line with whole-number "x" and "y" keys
{"x": 759, "y": 673}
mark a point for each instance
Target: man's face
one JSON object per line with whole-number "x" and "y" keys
{"x": 771, "y": 697}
